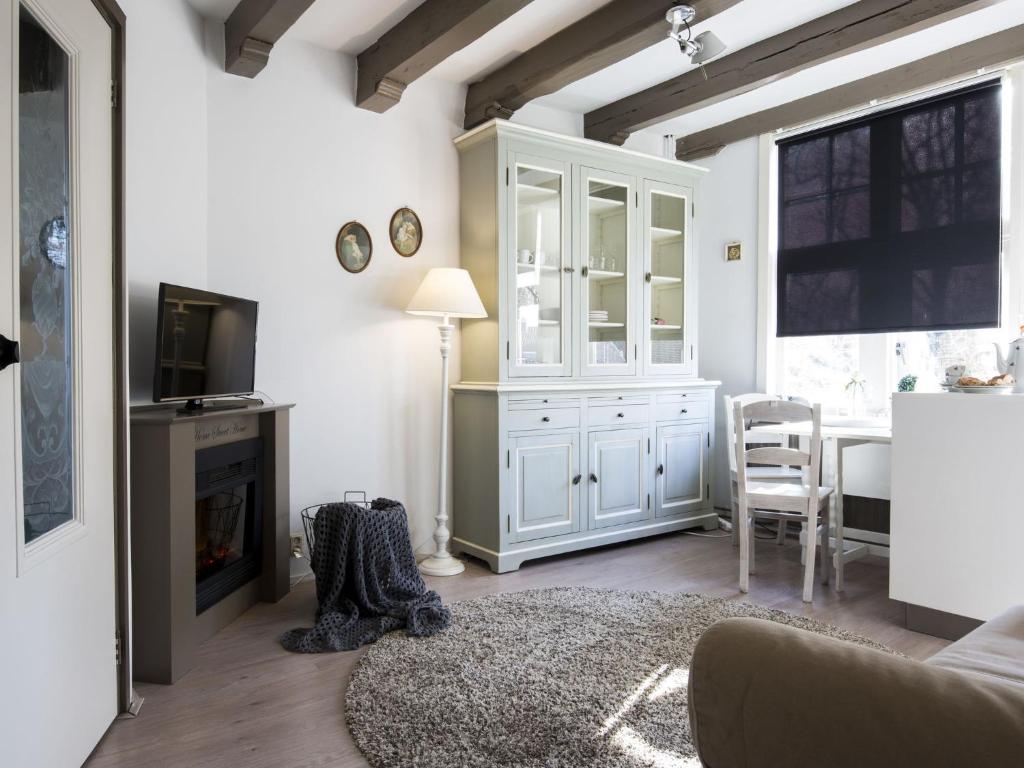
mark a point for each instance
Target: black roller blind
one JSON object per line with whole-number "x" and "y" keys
{"x": 891, "y": 222}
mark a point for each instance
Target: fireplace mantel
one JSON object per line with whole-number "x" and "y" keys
{"x": 166, "y": 627}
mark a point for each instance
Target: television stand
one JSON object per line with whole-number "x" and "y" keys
{"x": 196, "y": 407}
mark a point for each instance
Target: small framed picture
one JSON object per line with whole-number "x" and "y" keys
{"x": 733, "y": 251}
{"x": 354, "y": 247}
{"x": 406, "y": 231}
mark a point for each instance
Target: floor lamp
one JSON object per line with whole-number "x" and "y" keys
{"x": 445, "y": 293}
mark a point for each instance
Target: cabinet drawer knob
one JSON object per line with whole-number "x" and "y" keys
{"x": 621, "y": 415}
{"x": 548, "y": 418}
{"x": 684, "y": 410}
{"x": 576, "y": 480}
{"x": 661, "y": 469}
{"x": 593, "y": 477}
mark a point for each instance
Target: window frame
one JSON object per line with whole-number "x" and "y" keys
{"x": 878, "y": 349}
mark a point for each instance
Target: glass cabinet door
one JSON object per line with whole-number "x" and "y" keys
{"x": 606, "y": 289}
{"x": 539, "y": 344}
{"x": 666, "y": 240}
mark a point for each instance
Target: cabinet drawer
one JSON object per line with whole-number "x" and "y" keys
{"x": 543, "y": 418}
{"x": 531, "y": 403}
{"x": 683, "y": 397}
{"x": 618, "y": 400}
{"x": 683, "y": 408}
{"x": 604, "y": 415}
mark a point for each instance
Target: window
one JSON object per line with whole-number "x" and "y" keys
{"x": 887, "y": 255}
{"x": 891, "y": 222}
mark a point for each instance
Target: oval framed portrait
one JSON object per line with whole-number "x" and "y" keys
{"x": 406, "y": 231}
{"x": 354, "y": 247}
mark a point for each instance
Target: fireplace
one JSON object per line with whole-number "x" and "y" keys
{"x": 228, "y": 519}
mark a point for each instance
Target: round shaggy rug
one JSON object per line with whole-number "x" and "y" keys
{"x": 550, "y": 678}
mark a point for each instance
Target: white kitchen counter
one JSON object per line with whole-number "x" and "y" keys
{"x": 957, "y": 522}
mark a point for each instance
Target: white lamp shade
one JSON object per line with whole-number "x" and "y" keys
{"x": 447, "y": 291}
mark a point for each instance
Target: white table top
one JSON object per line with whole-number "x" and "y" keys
{"x": 829, "y": 432}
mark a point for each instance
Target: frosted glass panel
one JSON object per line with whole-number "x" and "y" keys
{"x": 538, "y": 266}
{"x": 46, "y": 260}
{"x": 667, "y": 278}
{"x": 606, "y": 286}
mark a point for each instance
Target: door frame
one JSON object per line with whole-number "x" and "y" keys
{"x": 127, "y": 700}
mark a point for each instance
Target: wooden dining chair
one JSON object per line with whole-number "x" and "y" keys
{"x": 806, "y": 502}
{"x": 774, "y": 474}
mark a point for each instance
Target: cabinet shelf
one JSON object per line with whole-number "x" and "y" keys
{"x": 662, "y": 234}
{"x": 664, "y": 327}
{"x": 600, "y": 205}
{"x": 665, "y": 280}
{"x": 526, "y": 269}
{"x": 533, "y": 195}
{"x": 600, "y": 274}
{"x": 606, "y": 325}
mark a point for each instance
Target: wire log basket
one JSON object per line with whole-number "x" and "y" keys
{"x": 309, "y": 516}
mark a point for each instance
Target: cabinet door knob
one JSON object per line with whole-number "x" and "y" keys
{"x": 621, "y": 415}
{"x": 585, "y": 271}
{"x": 648, "y": 277}
{"x": 576, "y": 480}
{"x": 548, "y": 418}
{"x": 593, "y": 477}
{"x": 568, "y": 270}
{"x": 661, "y": 469}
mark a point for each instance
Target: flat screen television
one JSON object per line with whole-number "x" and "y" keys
{"x": 205, "y": 346}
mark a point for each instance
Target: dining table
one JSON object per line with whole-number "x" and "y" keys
{"x": 842, "y": 433}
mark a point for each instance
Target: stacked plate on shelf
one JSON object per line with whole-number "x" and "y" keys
{"x": 598, "y": 316}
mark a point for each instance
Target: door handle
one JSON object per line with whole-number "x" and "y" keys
{"x": 661, "y": 469}
{"x": 10, "y": 352}
{"x": 593, "y": 477}
{"x": 576, "y": 480}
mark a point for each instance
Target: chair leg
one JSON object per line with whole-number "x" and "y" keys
{"x": 825, "y": 561}
{"x": 740, "y": 523}
{"x": 752, "y": 541}
{"x": 812, "y": 542}
{"x": 838, "y": 492}
{"x": 781, "y": 538}
{"x": 735, "y": 523}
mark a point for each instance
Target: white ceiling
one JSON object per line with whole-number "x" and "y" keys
{"x": 352, "y": 25}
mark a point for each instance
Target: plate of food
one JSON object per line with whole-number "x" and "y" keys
{"x": 997, "y": 385}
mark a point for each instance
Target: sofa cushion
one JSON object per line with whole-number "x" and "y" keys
{"x": 995, "y": 649}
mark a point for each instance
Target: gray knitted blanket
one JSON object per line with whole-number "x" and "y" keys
{"x": 367, "y": 582}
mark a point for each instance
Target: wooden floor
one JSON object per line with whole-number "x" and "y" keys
{"x": 250, "y": 703}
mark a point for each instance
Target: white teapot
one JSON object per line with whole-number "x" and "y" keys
{"x": 1013, "y": 361}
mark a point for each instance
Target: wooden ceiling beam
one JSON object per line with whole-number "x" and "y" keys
{"x": 986, "y": 52}
{"x": 252, "y": 29}
{"x": 430, "y": 34}
{"x": 611, "y": 33}
{"x": 858, "y": 26}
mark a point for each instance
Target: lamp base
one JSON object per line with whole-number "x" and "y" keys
{"x": 442, "y": 566}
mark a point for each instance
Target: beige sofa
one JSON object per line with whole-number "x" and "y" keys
{"x": 767, "y": 695}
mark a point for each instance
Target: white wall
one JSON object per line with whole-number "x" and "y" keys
{"x": 165, "y": 189}
{"x": 727, "y": 212}
{"x": 291, "y": 160}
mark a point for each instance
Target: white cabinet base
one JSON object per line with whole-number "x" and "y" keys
{"x": 511, "y": 559}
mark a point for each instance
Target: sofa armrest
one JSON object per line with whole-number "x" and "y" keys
{"x": 765, "y": 694}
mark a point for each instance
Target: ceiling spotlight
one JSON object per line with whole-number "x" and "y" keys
{"x": 701, "y": 48}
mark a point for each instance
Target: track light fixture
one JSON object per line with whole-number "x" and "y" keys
{"x": 701, "y": 48}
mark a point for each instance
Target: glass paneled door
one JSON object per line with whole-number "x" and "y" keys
{"x": 608, "y": 244}
{"x": 539, "y": 336}
{"x": 666, "y": 262}
{"x": 57, "y": 417}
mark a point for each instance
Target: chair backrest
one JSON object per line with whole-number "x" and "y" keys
{"x": 776, "y": 410}
{"x": 761, "y": 438}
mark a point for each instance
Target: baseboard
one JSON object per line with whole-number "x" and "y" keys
{"x": 929, "y": 621}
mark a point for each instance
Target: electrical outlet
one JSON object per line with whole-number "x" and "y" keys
{"x": 295, "y": 544}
